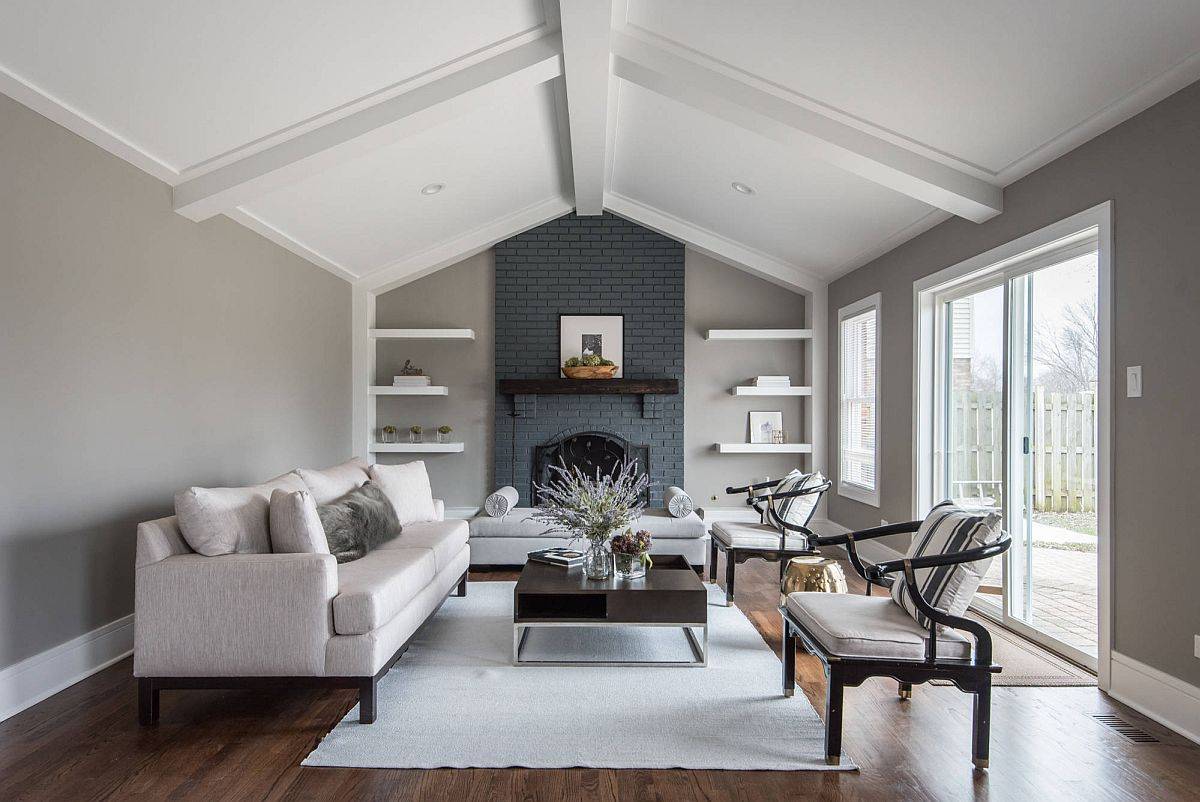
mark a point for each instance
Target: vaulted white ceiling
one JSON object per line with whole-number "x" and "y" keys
{"x": 858, "y": 125}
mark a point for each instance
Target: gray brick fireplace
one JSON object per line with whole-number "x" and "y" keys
{"x": 589, "y": 265}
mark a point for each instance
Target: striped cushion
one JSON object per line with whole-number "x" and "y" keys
{"x": 948, "y": 529}
{"x": 798, "y": 511}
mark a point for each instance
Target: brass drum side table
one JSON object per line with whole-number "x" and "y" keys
{"x": 812, "y": 574}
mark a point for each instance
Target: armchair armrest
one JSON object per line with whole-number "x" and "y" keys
{"x": 939, "y": 560}
{"x": 776, "y": 495}
{"x": 235, "y": 615}
{"x": 439, "y": 509}
{"x": 849, "y": 538}
{"x": 908, "y": 527}
{"x": 733, "y": 491}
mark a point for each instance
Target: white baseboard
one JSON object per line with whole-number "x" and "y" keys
{"x": 463, "y": 513}
{"x": 1170, "y": 701}
{"x": 28, "y": 682}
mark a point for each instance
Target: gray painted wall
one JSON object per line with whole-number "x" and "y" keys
{"x": 140, "y": 353}
{"x": 1150, "y": 168}
{"x": 722, "y": 297}
{"x": 456, "y": 297}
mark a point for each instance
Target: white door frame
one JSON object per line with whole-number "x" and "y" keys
{"x": 1019, "y": 251}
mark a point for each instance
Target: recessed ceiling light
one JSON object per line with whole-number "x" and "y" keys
{"x": 432, "y": 189}
{"x": 745, "y": 189}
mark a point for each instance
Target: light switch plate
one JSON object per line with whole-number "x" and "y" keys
{"x": 1197, "y": 645}
{"x": 1133, "y": 381}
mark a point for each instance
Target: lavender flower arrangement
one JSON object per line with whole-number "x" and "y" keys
{"x": 591, "y": 507}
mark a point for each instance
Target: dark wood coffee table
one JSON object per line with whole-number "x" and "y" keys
{"x": 670, "y": 595}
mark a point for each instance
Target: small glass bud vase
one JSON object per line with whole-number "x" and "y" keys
{"x": 598, "y": 561}
{"x": 443, "y": 437}
{"x": 414, "y": 437}
{"x": 630, "y": 566}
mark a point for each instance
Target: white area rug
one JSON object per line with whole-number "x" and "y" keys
{"x": 454, "y": 700}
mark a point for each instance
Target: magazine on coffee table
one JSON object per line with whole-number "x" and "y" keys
{"x": 558, "y": 556}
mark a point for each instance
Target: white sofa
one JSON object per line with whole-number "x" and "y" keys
{"x": 257, "y": 620}
{"x": 506, "y": 540}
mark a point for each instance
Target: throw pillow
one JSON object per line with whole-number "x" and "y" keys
{"x": 359, "y": 521}
{"x": 407, "y": 487}
{"x": 798, "y": 510}
{"x": 333, "y": 483}
{"x": 679, "y": 504}
{"x": 295, "y": 526}
{"x": 948, "y": 529}
{"x": 230, "y": 520}
{"x": 501, "y": 503}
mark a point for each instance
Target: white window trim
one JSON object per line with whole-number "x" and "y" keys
{"x": 849, "y": 489}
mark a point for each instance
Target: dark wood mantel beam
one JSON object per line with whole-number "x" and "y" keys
{"x": 589, "y": 386}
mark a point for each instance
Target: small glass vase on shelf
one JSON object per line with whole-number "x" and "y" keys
{"x": 414, "y": 434}
{"x": 631, "y": 553}
{"x": 598, "y": 560}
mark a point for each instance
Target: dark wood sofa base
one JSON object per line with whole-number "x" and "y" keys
{"x": 149, "y": 688}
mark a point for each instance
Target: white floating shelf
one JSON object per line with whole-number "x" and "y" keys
{"x": 416, "y": 448}
{"x": 764, "y": 448}
{"x": 429, "y": 389}
{"x": 423, "y": 334}
{"x": 758, "y": 334}
{"x": 794, "y": 390}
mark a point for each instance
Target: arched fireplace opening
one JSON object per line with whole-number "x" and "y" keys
{"x": 590, "y": 451}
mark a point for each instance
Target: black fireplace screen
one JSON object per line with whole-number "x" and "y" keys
{"x": 589, "y": 451}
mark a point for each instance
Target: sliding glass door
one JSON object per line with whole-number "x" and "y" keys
{"x": 1052, "y": 586}
{"x": 1015, "y": 430}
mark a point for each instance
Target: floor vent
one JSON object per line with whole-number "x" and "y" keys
{"x": 1138, "y": 736}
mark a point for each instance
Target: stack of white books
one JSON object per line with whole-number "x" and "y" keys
{"x": 410, "y": 381}
{"x": 773, "y": 381}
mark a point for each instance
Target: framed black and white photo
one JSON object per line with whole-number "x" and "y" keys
{"x": 766, "y": 427}
{"x": 603, "y": 335}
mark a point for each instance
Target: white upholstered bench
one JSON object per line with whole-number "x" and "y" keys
{"x": 506, "y": 540}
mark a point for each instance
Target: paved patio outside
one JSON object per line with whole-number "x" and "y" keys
{"x": 1064, "y": 589}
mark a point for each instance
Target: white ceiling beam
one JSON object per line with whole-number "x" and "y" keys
{"x": 586, "y": 33}
{"x": 684, "y": 79}
{"x": 410, "y": 268}
{"x": 389, "y": 121}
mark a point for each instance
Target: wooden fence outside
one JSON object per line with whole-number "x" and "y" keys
{"x": 1063, "y": 448}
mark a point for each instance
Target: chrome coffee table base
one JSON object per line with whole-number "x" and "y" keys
{"x": 699, "y": 646}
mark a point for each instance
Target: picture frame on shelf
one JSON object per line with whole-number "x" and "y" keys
{"x": 766, "y": 427}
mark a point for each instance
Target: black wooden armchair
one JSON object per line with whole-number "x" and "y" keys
{"x": 773, "y": 538}
{"x": 857, "y": 637}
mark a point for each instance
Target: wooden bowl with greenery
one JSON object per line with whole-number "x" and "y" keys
{"x": 590, "y": 372}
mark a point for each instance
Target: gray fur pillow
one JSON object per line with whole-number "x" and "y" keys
{"x": 359, "y": 521}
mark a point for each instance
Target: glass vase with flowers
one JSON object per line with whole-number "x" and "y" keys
{"x": 592, "y": 507}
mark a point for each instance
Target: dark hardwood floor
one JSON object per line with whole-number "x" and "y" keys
{"x": 85, "y": 743}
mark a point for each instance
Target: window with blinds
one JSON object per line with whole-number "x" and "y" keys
{"x": 858, "y": 354}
